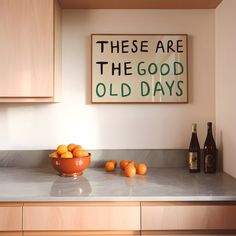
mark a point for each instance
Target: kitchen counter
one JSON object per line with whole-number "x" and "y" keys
{"x": 160, "y": 184}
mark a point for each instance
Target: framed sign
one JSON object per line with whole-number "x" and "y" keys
{"x": 139, "y": 68}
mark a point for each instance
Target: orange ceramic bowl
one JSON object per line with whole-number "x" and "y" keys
{"x": 71, "y": 166}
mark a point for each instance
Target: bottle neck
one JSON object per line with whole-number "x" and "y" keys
{"x": 194, "y": 129}
{"x": 209, "y": 129}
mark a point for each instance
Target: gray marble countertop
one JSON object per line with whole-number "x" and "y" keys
{"x": 160, "y": 184}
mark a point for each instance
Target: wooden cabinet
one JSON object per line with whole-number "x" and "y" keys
{"x": 30, "y": 50}
{"x": 77, "y": 233}
{"x": 118, "y": 218}
{"x": 83, "y": 217}
{"x": 11, "y": 233}
{"x": 188, "y": 218}
{"x": 141, "y": 4}
{"x": 184, "y": 234}
{"x": 10, "y": 217}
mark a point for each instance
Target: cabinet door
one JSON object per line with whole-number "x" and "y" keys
{"x": 11, "y": 233}
{"x": 184, "y": 234}
{"x": 26, "y": 48}
{"x": 79, "y": 233}
{"x": 10, "y": 217}
{"x": 188, "y": 216}
{"x": 84, "y": 216}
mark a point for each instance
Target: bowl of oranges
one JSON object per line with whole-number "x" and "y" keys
{"x": 70, "y": 160}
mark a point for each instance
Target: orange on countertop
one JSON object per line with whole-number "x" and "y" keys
{"x": 62, "y": 149}
{"x": 123, "y": 164}
{"x": 141, "y": 169}
{"x": 130, "y": 170}
{"x": 109, "y": 166}
{"x": 115, "y": 163}
{"x": 132, "y": 163}
{"x": 67, "y": 155}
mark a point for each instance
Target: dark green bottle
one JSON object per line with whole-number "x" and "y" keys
{"x": 210, "y": 152}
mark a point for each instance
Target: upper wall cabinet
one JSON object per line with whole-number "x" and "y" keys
{"x": 30, "y": 51}
{"x": 140, "y": 4}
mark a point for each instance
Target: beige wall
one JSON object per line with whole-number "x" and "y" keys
{"x": 118, "y": 126}
{"x": 226, "y": 82}
{"x": 141, "y": 126}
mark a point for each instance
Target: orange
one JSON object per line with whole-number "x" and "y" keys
{"x": 109, "y": 166}
{"x": 79, "y": 147}
{"x": 62, "y": 149}
{"x": 77, "y": 152}
{"x": 114, "y": 161}
{"x": 85, "y": 153}
{"x": 123, "y": 164}
{"x": 130, "y": 170}
{"x": 132, "y": 163}
{"x": 141, "y": 169}
{"x": 67, "y": 155}
{"x": 54, "y": 155}
{"x": 71, "y": 146}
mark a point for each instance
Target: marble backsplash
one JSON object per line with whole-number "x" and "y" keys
{"x": 152, "y": 157}
{"x": 167, "y": 158}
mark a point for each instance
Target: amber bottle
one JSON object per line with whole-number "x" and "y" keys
{"x": 194, "y": 154}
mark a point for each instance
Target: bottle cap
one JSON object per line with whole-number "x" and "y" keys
{"x": 194, "y": 128}
{"x": 209, "y": 123}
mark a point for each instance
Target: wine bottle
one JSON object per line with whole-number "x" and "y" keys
{"x": 210, "y": 152}
{"x": 194, "y": 155}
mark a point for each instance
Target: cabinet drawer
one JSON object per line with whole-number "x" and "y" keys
{"x": 11, "y": 233}
{"x": 79, "y": 233}
{"x": 188, "y": 217}
{"x": 10, "y": 218}
{"x": 82, "y": 217}
{"x": 157, "y": 234}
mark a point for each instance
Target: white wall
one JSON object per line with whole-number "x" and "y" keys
{"x": 226, "y": 83}
{"x": 118, "y": 126}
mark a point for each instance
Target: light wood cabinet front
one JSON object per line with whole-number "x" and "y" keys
{"x": 184, "y": 234}
{"x": 29, "y": 48}
{"x": 79, "y": 233}
{"x": 11, "y": 233}
{"x": 82, "y": 217}
{"x": 10, "y": 217}
{"x": 188, "y": 217}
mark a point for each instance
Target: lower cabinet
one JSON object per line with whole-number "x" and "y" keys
{"x": 118, "y": 218}
{"x": 184, "y": 234}
{"x": 186, "y": 218}
{"x": 83, "y": 217}
{"x": 10, "y": 217}
{"x": 11, "y": 233}
{"x": 57, "y": 233}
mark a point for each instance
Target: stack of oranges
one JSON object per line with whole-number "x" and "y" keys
{"x": 69, "y": 151}
{"x": 129, "y": 167}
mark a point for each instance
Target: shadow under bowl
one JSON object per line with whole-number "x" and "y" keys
{"x": 69, "y": 167}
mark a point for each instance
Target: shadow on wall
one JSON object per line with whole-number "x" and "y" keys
{"x": 23, "y": 126}
{"x": 220, "y": 152}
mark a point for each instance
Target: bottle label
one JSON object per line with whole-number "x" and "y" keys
{"x": 193, "y": 160}
{"x": 209, "y": 161}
